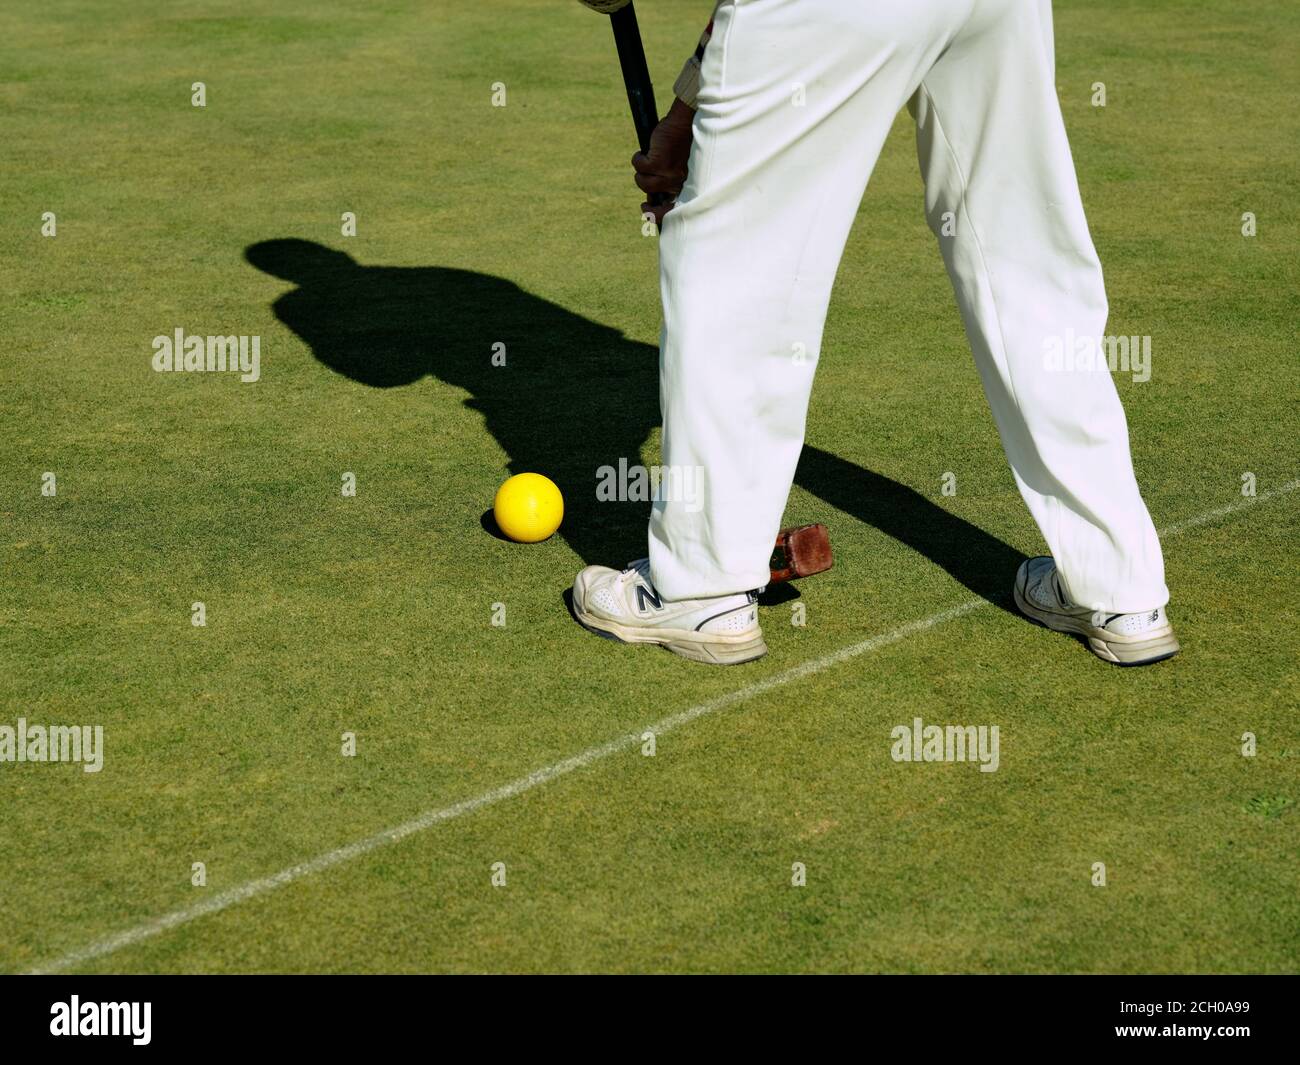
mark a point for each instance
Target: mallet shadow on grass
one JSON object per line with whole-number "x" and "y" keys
{"x": 572, "y": 396}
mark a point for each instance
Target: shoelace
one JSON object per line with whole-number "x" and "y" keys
{"x": 633, "y": 569}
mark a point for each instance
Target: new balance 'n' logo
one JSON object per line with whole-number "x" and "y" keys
{"x": 644, "y": 595}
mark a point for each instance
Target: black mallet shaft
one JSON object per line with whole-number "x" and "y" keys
{"x": 636, "y": 75}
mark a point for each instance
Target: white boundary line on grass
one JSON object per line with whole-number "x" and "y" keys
{"x": 232, "y": 897}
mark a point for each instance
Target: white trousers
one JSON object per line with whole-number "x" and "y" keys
{"x": 797, "y": 97}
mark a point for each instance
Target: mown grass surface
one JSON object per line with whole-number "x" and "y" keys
{"x": 372, "y": 614}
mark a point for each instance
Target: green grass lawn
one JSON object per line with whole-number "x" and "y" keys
{"x": 326, "y": 614}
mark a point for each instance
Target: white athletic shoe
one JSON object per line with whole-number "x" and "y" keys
{"x": 624, "y": 606}
{"x": 1136, "y": 639}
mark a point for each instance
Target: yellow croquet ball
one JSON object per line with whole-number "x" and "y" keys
{"x": 528, "y": 507}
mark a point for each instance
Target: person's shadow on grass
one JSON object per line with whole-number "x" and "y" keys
{"x": 572, "y": 396}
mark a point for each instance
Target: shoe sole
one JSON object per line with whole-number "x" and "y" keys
{"x": 712, "y": 649}
{"x": 1142, "y": 650}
